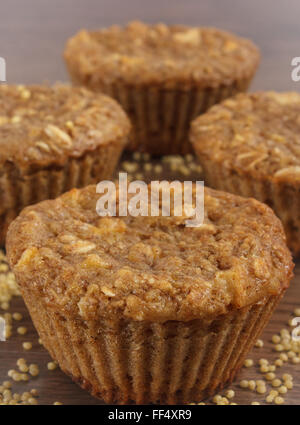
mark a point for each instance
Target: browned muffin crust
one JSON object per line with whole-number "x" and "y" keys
{"x": 149, "y": 268}
{"x": 250, "y": 145}
{"x": 42, "y": 126}
{"x": 258, "y": 132}
{"x": 141, "y": 54}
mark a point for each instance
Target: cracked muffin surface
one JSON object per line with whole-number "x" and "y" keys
{"x": 149, "y": 268}
{"x": 141, "y": 54}
{"x": 257, "y": 132}
{"x": 163, "y": 75}
{"x": 250, "y": 145}
{"x": 43, "y": 125}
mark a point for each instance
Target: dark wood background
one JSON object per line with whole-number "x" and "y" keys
{"x": 32, "y": 38}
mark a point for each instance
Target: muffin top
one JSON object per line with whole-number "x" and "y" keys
{"x": 257, "y": 133}
{"x": 149, "y": 268}
{"x": 148, "y": 54}
{"x": 41, "y": 125}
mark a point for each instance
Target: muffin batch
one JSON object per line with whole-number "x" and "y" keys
{"x": 144, "y": 309}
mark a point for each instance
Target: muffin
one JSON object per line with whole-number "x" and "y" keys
{"x": 162, "y": 76}
{"x": 53, "y": 139}
{"x": 146, "y": 309}
{"x": 250, "y": 145}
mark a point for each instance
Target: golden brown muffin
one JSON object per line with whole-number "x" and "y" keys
{"x": 53, "y": 139}
{"x": 250, "y": 145}
{"x": 145, "y": 309}
{"x": 163, "y": 76}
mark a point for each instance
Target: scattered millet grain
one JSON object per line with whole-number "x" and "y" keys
{"x": 22, "y": 330}
{"x": 287, "y": 377}
{"x": 129, "y": 167}
{"x": 217, "y": 398}
{"x": 158, "y": 169}
{"x": 279, "y": 400}
{"x": 283, "y": 357}
{"x": 272, "y": 368}
{"x": 248, "y": 363}
{"x": 279, "y": 347}
{"x": 261, "y": 389}
{"x": 148, "y": 166}
{"x": 276, "y": 339}
{"x": 244, "y": 383}
{"x": 282, "y": 389}
{"x": 27, "y": 345}
{"x": 289, "y": 384}
{"x": 276, "y": 382}
{"x": 34, "y": 370}
{"x": 252, "y": 385}
{"x": 230, "y": 394}
{"x": 136, "y": 156}
{"x": 270, "y": 376}
{"x": 264, "y": 368}
{"x": 8, "y": 285}
{"x": 51, "y": 365}
{"x": 262, "y": 362}
{"x": 269, "y": 399}
{"x": 23, "y": 368}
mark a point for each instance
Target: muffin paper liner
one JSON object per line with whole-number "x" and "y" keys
{"x": 283, "y": 198}
{"x": 161, "y": 117}
{"x": 18, "y": 191}
{"x": 124, "y": 362}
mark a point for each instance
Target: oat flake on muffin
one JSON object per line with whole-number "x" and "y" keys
{"x": 144, "y": 309}
{"x": 250, "y": 145}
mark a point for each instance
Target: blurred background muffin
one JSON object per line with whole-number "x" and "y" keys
{"x": 162, "y": 75}
{"x": 250, "y": 145}
{"x": 53, "y": 139}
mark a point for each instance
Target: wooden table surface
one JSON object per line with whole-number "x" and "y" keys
{"x": 32, "y": 37}
{"x": 56, "y": 386}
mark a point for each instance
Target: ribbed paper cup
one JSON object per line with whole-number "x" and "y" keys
{"x": 19, "y": 189}
{"x": 282, "y": 197}
{"x": 161, "y": 117}
{"x": 124, "y": 362}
